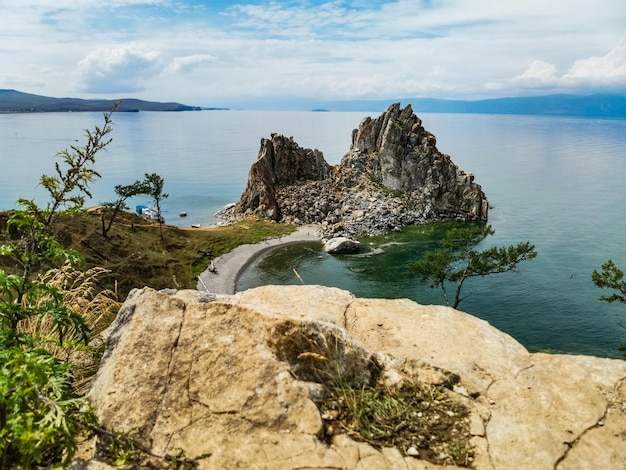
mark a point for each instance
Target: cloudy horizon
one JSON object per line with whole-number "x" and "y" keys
{"x": 220, "y": 53}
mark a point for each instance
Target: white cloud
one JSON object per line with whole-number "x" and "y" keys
{"x": 121, "y": 69}
{"x": 592, "y": 74}
{"x": 189, "y": 63}
{"x": 609, "y": 69}
{"x": 539, "y": 73}
{"x": 185, "y": 50}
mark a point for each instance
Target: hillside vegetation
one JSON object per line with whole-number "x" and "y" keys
{"x": 136, "y": 256}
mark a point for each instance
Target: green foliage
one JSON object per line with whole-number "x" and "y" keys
{"x": 20, "y": 300}
{"x": 153, "y": 187}
{"x": 35, "y": 245}
{"x": 69, "y": 186}
{"x": 40, "y": 420}
{"x": 457, "y": 259}
{"x": 123, "y": 193}
{"x": 19, "y": 294}
{"x": 611, "y": 277}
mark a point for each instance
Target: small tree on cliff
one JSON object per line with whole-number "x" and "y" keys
{"x": 69, "y": 186}
{"x": 123, "y": 193}
{"x": 457, "y": 260}
{"x": 611, "y": 277}
{"x": 153, "y": 187}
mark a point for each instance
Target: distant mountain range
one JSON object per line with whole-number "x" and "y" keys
{"x": 605, "y": 106}
{"x": 551, "y": 105}
{"x": 13, "y": 101}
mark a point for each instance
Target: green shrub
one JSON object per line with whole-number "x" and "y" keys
{"x": 40, "y": 420}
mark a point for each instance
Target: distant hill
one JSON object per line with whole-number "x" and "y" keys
{"x": 609, "y": 106}
{"x": 601, "y": 106}
{"x": 13, "y": 101}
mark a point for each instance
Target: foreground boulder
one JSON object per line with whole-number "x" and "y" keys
{"x": 392, "y": 176}
{"x": 235, "y": 382}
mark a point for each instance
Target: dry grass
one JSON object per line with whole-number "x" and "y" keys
{"x": 82, "y": 296}
{"x": 420, "y": 420}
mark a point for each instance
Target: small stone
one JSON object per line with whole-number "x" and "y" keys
{"x": 413, "y": 452}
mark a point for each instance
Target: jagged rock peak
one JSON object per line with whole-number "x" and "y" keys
{"x": 402, "y": 156}
{"x": 371, "y": 134}
{"x": 281, "y": 162}
{"x": 392, "y": 176}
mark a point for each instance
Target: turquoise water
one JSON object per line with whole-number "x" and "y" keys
{"x": 557, "y": 182}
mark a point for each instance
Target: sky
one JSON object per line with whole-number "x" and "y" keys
{"x": 233, "y": 53}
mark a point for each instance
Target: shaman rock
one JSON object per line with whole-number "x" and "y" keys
{"x": 392, "y": 176}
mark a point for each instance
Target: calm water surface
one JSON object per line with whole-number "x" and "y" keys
{"x": 204, "y": 157}
{"x": 557, "y": 182}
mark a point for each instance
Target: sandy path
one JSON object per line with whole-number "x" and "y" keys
{"x": 229, "y": 267}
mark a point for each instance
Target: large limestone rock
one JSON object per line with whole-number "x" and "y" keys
{"x": 393, "y": 175}
{"x": 214, "y": 376}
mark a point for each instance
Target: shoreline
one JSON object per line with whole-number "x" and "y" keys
{"x": 228, "y": 268}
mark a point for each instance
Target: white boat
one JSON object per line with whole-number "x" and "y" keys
{"x": 149, "y": 213}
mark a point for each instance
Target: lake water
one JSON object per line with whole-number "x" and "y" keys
{"x": 557, "y": 182}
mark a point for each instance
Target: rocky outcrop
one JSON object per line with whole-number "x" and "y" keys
{"x": 392, "y": 176}
{"x": 235, "y": 382}
{"x": 281, "y": 162}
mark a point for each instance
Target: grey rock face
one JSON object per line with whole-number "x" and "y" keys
{"x": 281, "y": 162}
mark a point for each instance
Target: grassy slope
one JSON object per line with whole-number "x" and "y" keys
{"x": 136, "y": 256}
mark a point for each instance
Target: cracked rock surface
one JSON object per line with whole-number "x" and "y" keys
{"x": 200, "y": 372}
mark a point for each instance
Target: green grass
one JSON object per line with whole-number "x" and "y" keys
{"x": 136, "y": 256}
{"x": 410, "y": 416}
